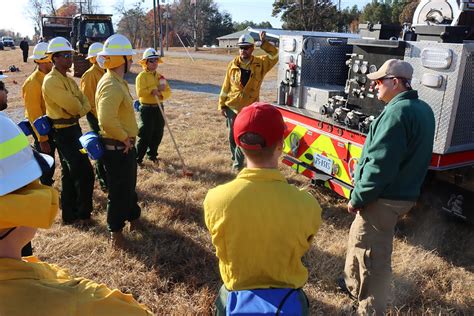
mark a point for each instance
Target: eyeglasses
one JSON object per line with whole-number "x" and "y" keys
{"x": 152, "y": 61}
{"x": 245, "y": 47}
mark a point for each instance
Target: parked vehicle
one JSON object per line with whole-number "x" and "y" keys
{"x": 8, "y": 42}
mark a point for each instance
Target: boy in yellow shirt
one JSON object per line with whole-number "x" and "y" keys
{"x": 260, "y": 225}
{"x": 151, "y": 87}
{"x": 27, "y": 285}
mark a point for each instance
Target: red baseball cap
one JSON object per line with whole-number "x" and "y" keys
{"x": 262, "y": 119}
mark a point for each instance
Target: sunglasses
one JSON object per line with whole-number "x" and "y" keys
{"x": 245, "y": 47}
{"x": 66, "y": 56}
{"x": 380, "y": 81}
{"x": 152, "y": 61}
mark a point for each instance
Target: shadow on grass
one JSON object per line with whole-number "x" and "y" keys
{"x": 426, "y": 226}
{"x": 186, "y": 211}
{"x": 176, "y": 257}
{"x": 410, "y": 296}
{"x": 202, "y": 174}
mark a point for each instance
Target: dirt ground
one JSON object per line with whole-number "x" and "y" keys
{"x": 171, "y": 265}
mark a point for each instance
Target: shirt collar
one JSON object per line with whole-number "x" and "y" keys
{"x": 261, "y": 174}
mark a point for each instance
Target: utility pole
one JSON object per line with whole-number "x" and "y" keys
{"x": 161, "y": 29}
{"x": 154, "y": 24}
{"x": 167, "y": 15}
{"x": 194, "y": 3}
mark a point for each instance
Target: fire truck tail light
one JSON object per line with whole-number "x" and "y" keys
{"x": 437, "y": 58}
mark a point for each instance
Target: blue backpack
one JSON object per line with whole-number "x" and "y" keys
{"x": 264, "y": 302}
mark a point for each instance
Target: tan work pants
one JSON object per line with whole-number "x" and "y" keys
{"x": 368, "y": 270}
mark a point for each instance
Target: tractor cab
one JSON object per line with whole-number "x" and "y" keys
{"x": 90, "y": 28}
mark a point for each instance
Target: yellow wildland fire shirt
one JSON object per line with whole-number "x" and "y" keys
{"x": 33, "y": 98}
{"x": 88, "y": 84}
{"x": 261, "y": 226}
{"x": 32, "y": 287}
{"x": 146, "y": 82}
{"x": 115, "y": 108}
{"x": 63, "y": 98}
{"x": 236, "y": 96}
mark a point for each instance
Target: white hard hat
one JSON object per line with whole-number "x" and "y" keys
{"x": 39, "y": 52}
{"x": 59, "y": 44}
{"x": 94, "y": 49}
{"x": 246, "y": 40}
{"x": 18, "y": 166}
{"x": 117, "y": 45}
{"x": 150, "y": 53}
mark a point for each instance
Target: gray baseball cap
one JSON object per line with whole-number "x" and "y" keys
{"x": 393, "y": 68}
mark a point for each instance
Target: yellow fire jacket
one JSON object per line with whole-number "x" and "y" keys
{"x": 39, "y": 288}
{"x": 63, "y": 98}
{"x": 261, "y": 227}
{"x": 114, "y": 108}
{"x": 146, "y": 82}
{"x": 88, "y": 84}
{"x": 33, "y": 98}
{"x": 233, "y": 94}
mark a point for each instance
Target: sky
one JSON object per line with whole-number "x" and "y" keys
{"x": 252, "y": 10}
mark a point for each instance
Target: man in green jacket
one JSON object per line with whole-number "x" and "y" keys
{"x": 389, "y": 175}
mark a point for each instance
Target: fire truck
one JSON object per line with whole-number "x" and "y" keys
{"x": 328, "y": 103}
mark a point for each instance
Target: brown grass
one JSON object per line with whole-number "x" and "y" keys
{"x": 171, "y": 265}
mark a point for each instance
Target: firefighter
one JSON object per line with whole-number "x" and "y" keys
{"x": 35, "y": 106}
{"x": 150, "y": 85}
{"x": 242, "y": 83}
{"x": 27, "y": 285}
{"x": 260, "y": 225}
{"x": 388, "y": 179}
{"x": 88, "y": 84}
{"x": 65, "y": 104}
{"x": 118, "y": 128}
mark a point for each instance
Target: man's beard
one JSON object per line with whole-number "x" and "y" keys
{"x": 3, "y": 106}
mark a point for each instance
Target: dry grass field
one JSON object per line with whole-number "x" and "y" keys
{"x": 171, "y": 266}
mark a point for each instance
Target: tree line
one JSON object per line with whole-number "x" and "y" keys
{"x": 203, "y": 22}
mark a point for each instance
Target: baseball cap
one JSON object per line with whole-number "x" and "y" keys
{"x": 394, "y": 68}
{"x": 262, "y": 119}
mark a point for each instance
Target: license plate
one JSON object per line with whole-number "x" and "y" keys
{"x": 323, "y": 163}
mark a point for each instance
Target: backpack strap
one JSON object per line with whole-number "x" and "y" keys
{"x": 282, "y": 303}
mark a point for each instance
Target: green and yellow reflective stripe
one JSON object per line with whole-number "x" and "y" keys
{"x": 117, "y": 46}
{"x": 57, "y": 45}
{"x": 13, "y": 146}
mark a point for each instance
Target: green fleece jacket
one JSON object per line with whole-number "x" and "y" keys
{"x": 396, "y": 153}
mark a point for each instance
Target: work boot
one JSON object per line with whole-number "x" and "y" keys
{"x": 118, "y": 241}
{"x": 136, "y": 225}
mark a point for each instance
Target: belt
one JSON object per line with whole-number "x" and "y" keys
{"x": 72, "y": 120}
{"x": 114, "y": 147}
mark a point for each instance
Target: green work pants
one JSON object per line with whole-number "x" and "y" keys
{"x": 367, "y": 270}
{"x": 150, "y": 132}
{"x": 121, "y": 170}
{"x": 221, "y": 302}
{"x": 77, "y": 176}
{"x": 237, "y": 154}
{"x": 99, "y": 165}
